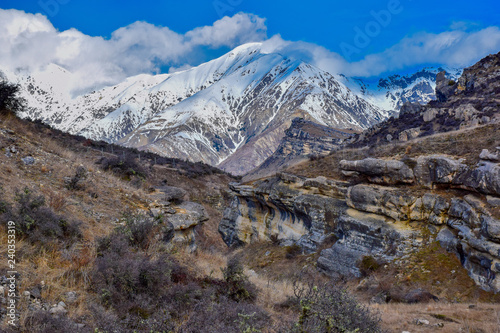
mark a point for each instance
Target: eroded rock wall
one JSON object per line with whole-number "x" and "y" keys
{"x": 385, "y": 211}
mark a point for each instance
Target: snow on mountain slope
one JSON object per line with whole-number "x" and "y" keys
{"x": 252, "y": 101}
{"x": 391, "y": 92}
{"x": 231, "y": 111}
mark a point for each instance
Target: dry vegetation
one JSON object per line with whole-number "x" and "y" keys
{"x": 260, "y": 296}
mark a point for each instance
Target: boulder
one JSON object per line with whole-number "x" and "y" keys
{"x": 28, "y": 160}
{"x": 447, "y": 239}
{"x": 419, "y": 296}
{"x": 430, "y": 114}
{"x": 487, "y": 156}
{"x": 409, "y": 134}
{"x": 431, "y": 208}
{"x": 381, "y": 171}
{"x": 410, "y": 108}
{"x": 189, "y": 214}
{"x": 340, "y": 260}
{"x": 436, "y": 169}
{"x": 445, "y": 88}
{"x": 172, "y": 193}
{"x": 485, "y": 178}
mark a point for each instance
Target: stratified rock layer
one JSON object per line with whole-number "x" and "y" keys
{"x": 384, "y": 212}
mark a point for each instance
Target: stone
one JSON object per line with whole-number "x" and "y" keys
{"x": 444, "y": 88}
{"x": 278, "y": 210}
{"x": 422, "y": 322}
{"x": 36, "y": 293}
{"x": 387, "y": 201}
{"x": 419, "y": 296}
{"x": 71, "y": 297}
{"x": 26, "y": 294}
{"x": 447, "y": 239}
{"x": 172, "y": 193}
{"x": 389, "y": 137}
{"x": 409, "y": 134}
{"x": 490, "y": 226}
{"x": 381, "y": 298}
{"x": 430, "y": 114}
{"x": 188, "y": 216}
{"x": 58, "y": 310}
{"x": 28, "y": 160}
{"x": 436, "y": 169}
{"x": 494, "y": 201}
{"x": 410, "y": 108}
{"x": 486, "y": 155}
{"x": 340, "y": 260}
{"x": 431, "y": 208}
{"x": 484, "y": 178}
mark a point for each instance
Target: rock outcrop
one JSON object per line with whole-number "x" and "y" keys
{"x": 385, "y": 212}
{"x": 181, "y": 216}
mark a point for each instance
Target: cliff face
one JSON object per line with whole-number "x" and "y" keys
{"x": 303, "y": 139}
{"x": 387, "y": 210}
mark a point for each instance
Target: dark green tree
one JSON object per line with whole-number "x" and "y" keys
{"x": 9, "y": 102}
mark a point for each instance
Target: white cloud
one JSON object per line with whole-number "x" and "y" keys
{"x": 456, "y": 48}
{"x": 31, "y": 42}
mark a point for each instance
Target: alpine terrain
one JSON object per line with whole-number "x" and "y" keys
{"x": 231, "y": 112}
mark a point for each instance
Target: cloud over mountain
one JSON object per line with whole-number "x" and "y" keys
{"x": 31, "y": 41}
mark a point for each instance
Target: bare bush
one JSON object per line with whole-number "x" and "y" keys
{"x": 329, "y": 308}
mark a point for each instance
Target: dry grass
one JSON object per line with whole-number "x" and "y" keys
{"x": 482, "y": 317}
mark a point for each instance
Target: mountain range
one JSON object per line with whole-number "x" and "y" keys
{"x": 231, "y": 112}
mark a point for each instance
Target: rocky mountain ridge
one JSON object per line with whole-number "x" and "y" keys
{"x": 393, "y": 91}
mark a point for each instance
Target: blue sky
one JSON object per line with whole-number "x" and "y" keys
{"x": 407, "y": 33}
{"x": 326, "y": 23}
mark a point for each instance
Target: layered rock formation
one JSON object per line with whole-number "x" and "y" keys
{"x": 181, "y": 216}
{"x": 384, "y": 211}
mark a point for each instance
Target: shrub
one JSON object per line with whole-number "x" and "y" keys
{"x": 368, "y": 264}
{"x": 328, "y": 308}
{"x": 225, "y": 315}
{"x": 238, "y": 286}
{"x": 121, "y": 275}
{"x": 44, "y": 322}
{"x": 293, "y": 251}
{"x": 74, "y": 183}
{"x": 139, "y": 229}
{"x": 124, "y": 166}
{"x": 38, "y": 223}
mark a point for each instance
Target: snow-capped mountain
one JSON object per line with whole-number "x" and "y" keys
{"x": 391, "y": 92}
{"x": 231, "y": 112}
